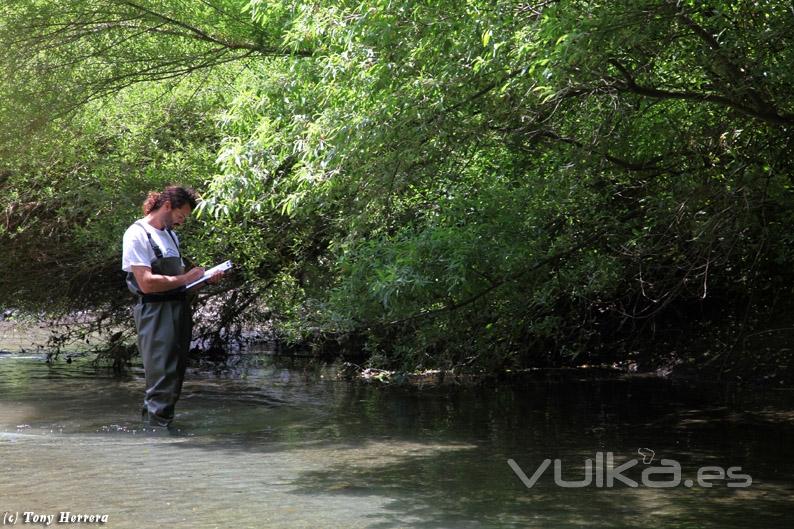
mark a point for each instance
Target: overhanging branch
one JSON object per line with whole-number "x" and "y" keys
{"x": 629, "y": 84}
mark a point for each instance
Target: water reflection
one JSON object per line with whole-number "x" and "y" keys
{"x": 263, "y": 444}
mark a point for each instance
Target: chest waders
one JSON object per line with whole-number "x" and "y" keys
{"x": 164, "y": 324}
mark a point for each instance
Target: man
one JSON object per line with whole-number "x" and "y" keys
{"x": 156, "y": 275}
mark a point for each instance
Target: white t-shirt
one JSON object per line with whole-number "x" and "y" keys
{"x": 138, "y": 252}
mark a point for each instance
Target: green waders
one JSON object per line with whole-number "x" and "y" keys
{"x": 164, "y": 324}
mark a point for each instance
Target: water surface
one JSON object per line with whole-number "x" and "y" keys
{"x": 265, "y": 443}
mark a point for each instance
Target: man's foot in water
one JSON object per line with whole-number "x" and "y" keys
{"x": 152, "y": 420}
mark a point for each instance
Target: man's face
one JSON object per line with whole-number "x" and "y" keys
{"x": 177, "y": 216}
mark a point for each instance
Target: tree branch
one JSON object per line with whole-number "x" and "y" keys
{"x": 630, "y": 85}
{"x": 728, "y": 66}
{"x": 199, "y": 34}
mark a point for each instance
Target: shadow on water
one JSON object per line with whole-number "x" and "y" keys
{"x": 440, "y": 455}
{"x": 431, "y": 457}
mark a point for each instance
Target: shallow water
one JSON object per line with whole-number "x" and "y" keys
{"x": 260, "y": 443}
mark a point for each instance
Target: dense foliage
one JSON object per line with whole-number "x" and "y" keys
{"x": 462, "y": 184}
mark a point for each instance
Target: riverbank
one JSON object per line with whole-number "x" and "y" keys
{"x": 722, "y": 355}
{"x": 22, "y": 335}
{"x": 448, "y": 378}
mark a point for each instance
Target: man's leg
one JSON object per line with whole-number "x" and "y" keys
{"x": 158, "y": 342}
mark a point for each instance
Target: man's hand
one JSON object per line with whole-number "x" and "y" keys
{"x": 215, "y": 278}
{"x": 192, "y": 275}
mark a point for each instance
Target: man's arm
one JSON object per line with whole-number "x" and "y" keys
{"x": 150, "y": 283}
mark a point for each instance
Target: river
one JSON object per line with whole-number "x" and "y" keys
{"x": 261, "y": 442}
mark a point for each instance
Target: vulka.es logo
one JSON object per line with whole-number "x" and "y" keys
{"x": 604, "y": 474}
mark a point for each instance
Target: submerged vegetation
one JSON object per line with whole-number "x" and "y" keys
{"x": 469, "y": 185}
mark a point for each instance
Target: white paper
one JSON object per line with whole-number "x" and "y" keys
{"x": 209, "y": 273}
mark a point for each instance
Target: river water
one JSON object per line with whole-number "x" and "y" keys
{"x": 262, "y": 443}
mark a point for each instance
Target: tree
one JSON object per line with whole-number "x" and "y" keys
{"x": 487, "y": 184}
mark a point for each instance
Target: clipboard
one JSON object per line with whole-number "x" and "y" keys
{"x": 226, "y": 265}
